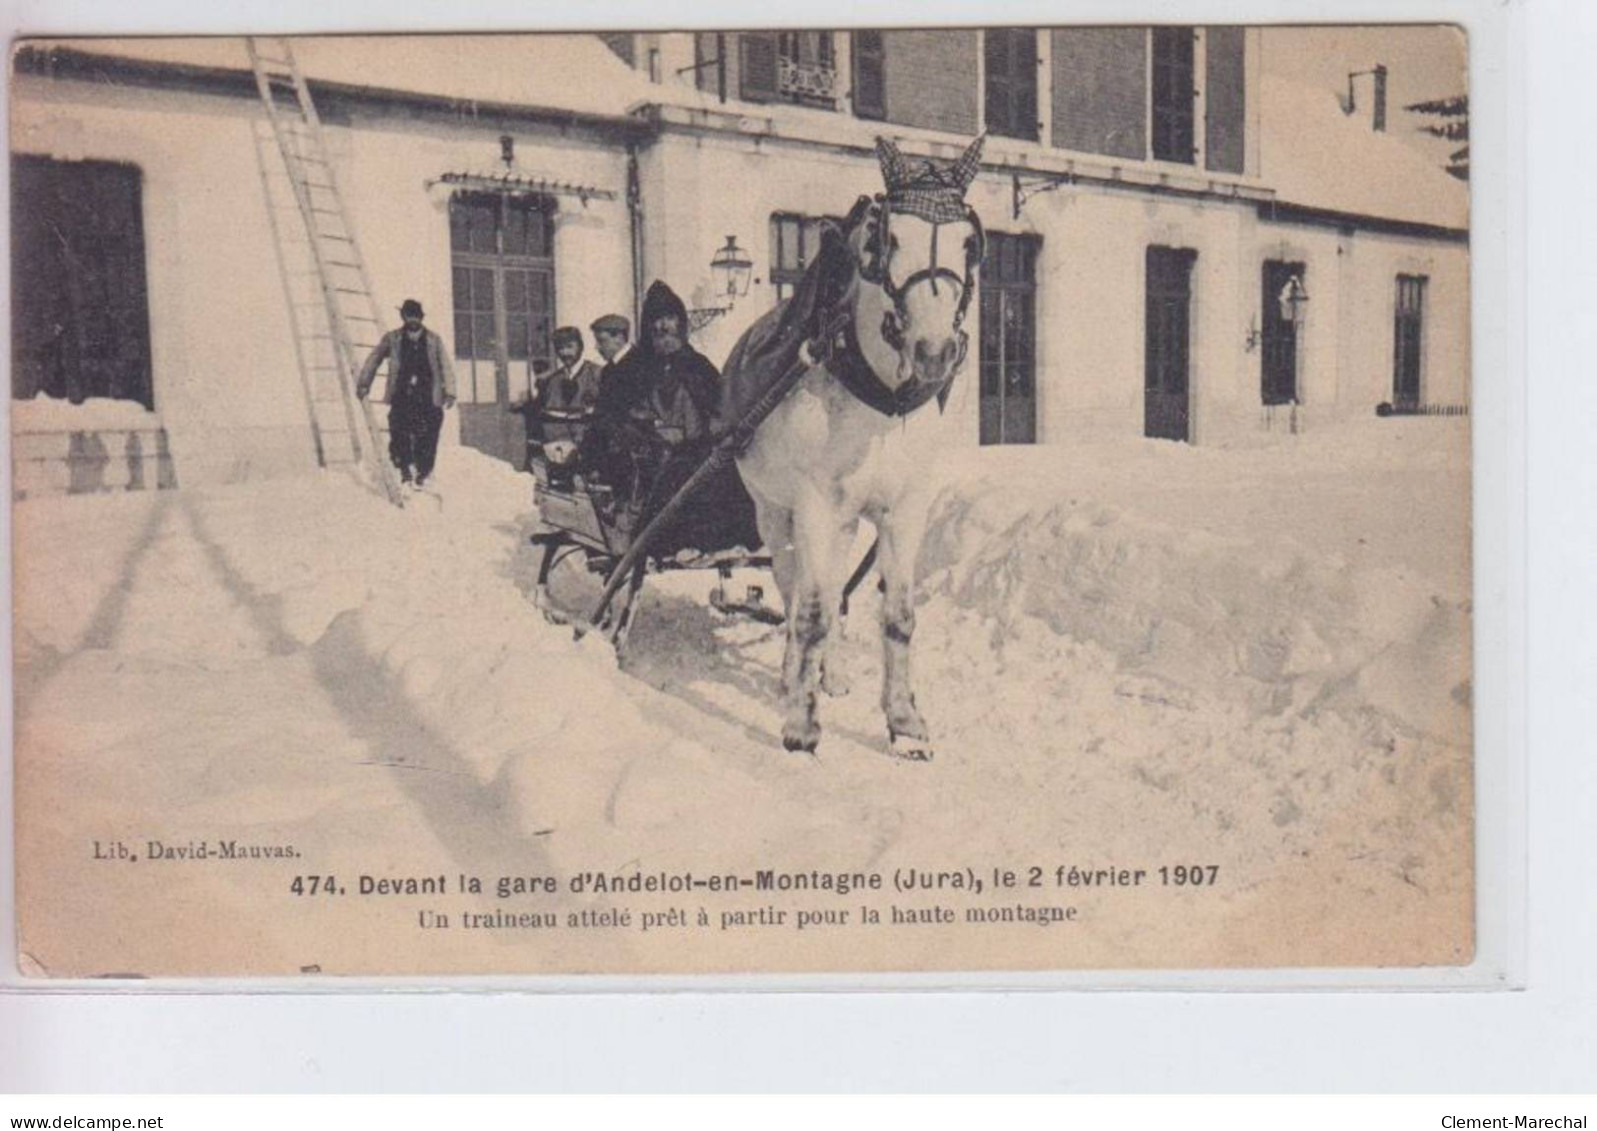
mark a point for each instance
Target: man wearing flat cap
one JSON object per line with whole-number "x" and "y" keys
{"x": 421, "y": 385}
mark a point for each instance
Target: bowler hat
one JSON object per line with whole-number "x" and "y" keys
{"x": 611, "y": 324}
{"x": 411, "y": 308}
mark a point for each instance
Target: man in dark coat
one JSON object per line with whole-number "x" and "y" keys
{"x": 660, "y": 406}
{"x": 664, "y": 380}
{"x": 421, "y": 385}
{"x": 569, "y": 389}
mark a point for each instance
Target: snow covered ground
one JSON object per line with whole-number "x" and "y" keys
{"x": 1132, "y": 655}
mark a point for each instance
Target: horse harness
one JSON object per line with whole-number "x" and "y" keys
{"x": 842, "y": 353}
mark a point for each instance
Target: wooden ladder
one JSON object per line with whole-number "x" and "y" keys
{"x": 331, "y": 352}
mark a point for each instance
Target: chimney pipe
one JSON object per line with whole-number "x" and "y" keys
{"x": 1378, "y": 87}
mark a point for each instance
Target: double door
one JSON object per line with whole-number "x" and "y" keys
{"x": 502, "y": 255}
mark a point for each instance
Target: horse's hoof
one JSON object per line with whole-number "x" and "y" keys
{"x": 910, "y": 748}
{"x": 800, "y": 745}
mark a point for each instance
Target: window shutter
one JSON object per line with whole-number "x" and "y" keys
{"x": 1225, "y": 93}
{"x": 1011, "y": 59}
{"x": 1100, "y": 95}
{"x": 757, "y": 72}
{"x": 996, "y": 50}
{"x": 870, "y": 75}
{"x": 1173, "y": 94}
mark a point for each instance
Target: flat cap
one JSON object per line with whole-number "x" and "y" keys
{"x": 611, "y": 324}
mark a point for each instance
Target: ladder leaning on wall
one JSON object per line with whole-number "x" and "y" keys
{"x": 352, "y": 324}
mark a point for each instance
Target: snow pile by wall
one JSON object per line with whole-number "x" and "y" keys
{"x": 1265, "y": 622}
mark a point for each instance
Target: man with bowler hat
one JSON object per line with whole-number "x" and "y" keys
{"x": 421, "y": 385}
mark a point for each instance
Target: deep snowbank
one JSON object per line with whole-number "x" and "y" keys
{"x": 1135, "y": 652}
{"x": 1267, "y": 622}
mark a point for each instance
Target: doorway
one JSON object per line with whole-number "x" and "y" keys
{"x": 502, "y": 252}
{"x": 1408, "y": 339}
{"x": 1168, "y": 343}
{"x": 1278, "y": 337}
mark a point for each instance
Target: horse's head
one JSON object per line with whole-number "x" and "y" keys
{"x": 917, "y": 249}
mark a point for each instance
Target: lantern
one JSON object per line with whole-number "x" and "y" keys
{"x": 1293, "y": 298}
{"x": 731, "y": 268}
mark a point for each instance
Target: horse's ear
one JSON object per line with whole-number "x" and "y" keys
{"x": 891, "y": 160}
{"x": 969, "y": 163}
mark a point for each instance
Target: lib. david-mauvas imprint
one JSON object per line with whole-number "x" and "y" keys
{"x": 825, "y": 501}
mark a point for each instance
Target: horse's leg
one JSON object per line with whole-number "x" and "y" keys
{"x": 900, "y": 533}
{"x": 812, "y": 611}
{"x": 776, "y": 531}
{"x": 834, "y": 677}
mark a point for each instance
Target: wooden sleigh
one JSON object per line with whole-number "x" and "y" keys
{"x": 603, "y": 522}
{"x": 623, "y": 530}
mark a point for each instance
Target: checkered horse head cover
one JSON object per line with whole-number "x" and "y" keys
{"x": 932, "y": 190}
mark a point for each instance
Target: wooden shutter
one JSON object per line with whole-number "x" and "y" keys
{"x": 870, "y": 75}
{"x": 1100, "y": 95}
{"x": 757, "y": 71}
{"x": 995, "y": 59}
{"x": 1225, "y": 99}
{"x": 1173, "y": 94}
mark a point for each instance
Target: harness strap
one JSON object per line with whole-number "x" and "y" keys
{"x": 846, "y": 361}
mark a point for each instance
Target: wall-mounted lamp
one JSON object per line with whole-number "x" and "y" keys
{"x": 732, "y": 270}
{"x": 1293, "y": 298}
{"x": 507, "y": 150}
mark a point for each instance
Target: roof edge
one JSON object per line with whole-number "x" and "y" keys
{"x": 59, "y": 62}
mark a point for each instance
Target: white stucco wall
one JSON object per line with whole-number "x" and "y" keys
{"x": 226, "y": 383}
{"x": 1090, "y": 313}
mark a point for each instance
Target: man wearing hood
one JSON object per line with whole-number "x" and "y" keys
{"x": 671, "y": 391}
{"x": 666, "y": 380}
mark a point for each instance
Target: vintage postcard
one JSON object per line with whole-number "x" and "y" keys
{"x": 929, "y": 500}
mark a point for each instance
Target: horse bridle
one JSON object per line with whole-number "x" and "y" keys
{"x": 878, "y": 270}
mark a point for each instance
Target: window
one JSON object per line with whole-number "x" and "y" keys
{"x": 870, "y": 75}
{"x": 1011, "y": 61}
{"x": 788, "y": 66}
{"x": 1008, "y": 340}
{"x": 1173, "y": 94}
{"x": 795, "y": 240}
{"x": 80, "y": 317}
{"x": 1408, "y": 341}
{"x": 806, "y": 70}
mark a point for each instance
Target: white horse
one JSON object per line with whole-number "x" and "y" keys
{"x": 825, "y": 457}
